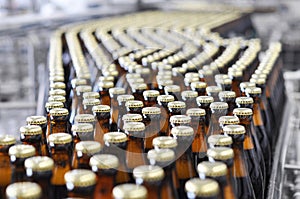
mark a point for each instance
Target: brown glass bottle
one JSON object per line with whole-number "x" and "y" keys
{"x": 199, "y": 87}
{"x": 218, "y": 109}
{"x": 138, "y": 90}
{"x": 184, "y": 162}
{"x": 178, "y": 77}
{"x": 39, "y": 170}
{"x": 226, "y": 120}
{"x": 150, "y": 97}
{"x": 61, "y": 151}
{"x": 244, "y": 85}
{"x": 83, "y": 152}
{"x": 189, "y": 97}
{"x": 6, "y": 141}
{"x": 162, "y": 83}
{"x": 163, "y": 101}
{"x": 129, "y": 191}
{"x": 79, "y": 92}
{"x": 59, "y": 121}
{"x": 104, "y": 92}
{"x": 199, "y": 145}
{"x": 214, "y": 92}
{"x": 204, "y": 103}
{"x": 202, "y": 189}
{"x": 42, "y": 122}
{"x": 48, "y": 107}
{"x": 206, "y": 76}
{"x": 225, "y": 84}
{"x": 219, "y": 141}
{"x": 24, "y": 190}
{"x": 32, "y": 135}
{"x": 122, "y": 99}
{"x": 74, "y": 98}
{"x": 217, "y": 171}
{"x": 151, "y": 177}
{"x": 241, "y": 179}
{"x": 80, "y": 183}
{"x": 173, "y": 90}
{"x": 116, "y": 144}
{"x": 82, "y": 132}
{"x": 229, "y": 98}
{"x": 237, "y": 77}
{"x": 134, "y": 106}
{"x": 102, "y": 116}
{"x": 88, "y": 105}
{"x": 114, "y": 109}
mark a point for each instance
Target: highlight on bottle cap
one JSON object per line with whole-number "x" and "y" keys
{"x": 24, "y": 190}
{"x": 57, "y": 98}
{"x": 151, "y": 111}
{"x": 161, "y": 155}
{"x": 6, "y": 140}
{"x": 59, "y": 138}
{"x": 195, "y": 112}
{"x": 104, "y": 161}
{"x": 91, "y": 95}
{"x": 234, "y": 129}
{"x": 180, "y": 119}
{"x": 116, "y": 91}
{"x": 59, "y": 112}
{"x": 220, "y": 153}
{"x": 82, "y": 128}
{"x": 151, "y": 93}
{"x": 244, "y": 100}
{"x": 57, "y": 85}
{"x": 130, "y": 191}
{"x": 134, "y": 126}
{"x": 176, "y": 104}
{"x": 202, "y": 188}
{"x": 134, "y": 104}
{"x": 21, "y": 151}
{"x": 225, "y": 120}
{"x": 39, "y": 163}
{"x": 50, "y": 105}
{"x": 219, "y": 140}
{"x": 172, "y": 89}
{"x": 83, "y": 88}
{"x": 165, "y": 98}
{"x": 218, "y": 105}
{"x": 164, "y": 142}
{"x": 242, "y": 111}
{"x": 31, "y": 130}
{"x": 36, "y": 120}
{"x": 57, "y": 92}
{"x": 226, "y": 94}
{"x": 212, "y": 169}
{"x": 88, "y": 147}
{"x": 125, "y": 98}
{"x": 115, "y": 137}
{"x": 148, "y": 173}
{"x": 80, "y": 178}
{"x": 253, "y": 90}
{"x": 195, "y": 85}
{"x": 84, "y": 118}
{"x": 204, "y": 99}
{"x": 109, "y": 84}
{"x": 101, "y": 108}
{"x": 182, "y": 131}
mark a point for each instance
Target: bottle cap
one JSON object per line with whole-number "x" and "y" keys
{"x": 202, "y": 188}
{"x": 84, "y": 118}
{"x": 104, "y": 161}
{"x": 195, "y": 85}
{"x": 224, "y": 81}
{"x": 57, "y": 98}
{"x": 114, "y": 137}
{"x": 165, "y": 82}
{"x": 221, "y": 76}
{"x": 6, "y": 140}
{"x": 101, "y": 109}
{"x": 151, "y": 93}
{"x": 133, "y": 75}
{"x": 106, "y": 79}
{"x": 179, "y": 70}
{"x": 76, "y": 82}
{"x": 235, "y": 73}
{"x": 244, "y": 100}
{"x": 195, "y": 112}
{"x": 205, "y": 99}
{"x": 244, "y": 85}
{"x": 91, "y": 95}
{"x": 31, "y": 130}
{"x": 59, "y": 112}
{"x": 106, "y": 84}
{"x": 148, "y": 173}
{"x": 60, "y": 138}
{"x": 220, "y": 140}
{"x": 82, "y": 128}
{"x": 88, "y": 147}
{"x": 224, "y": 120}
{"x": 56, "y": 78}
{"x": 130, "y": 191}
{"x": 212, "y": 169}
{"x": 134, "y": 104}
{"x": 80, "y": 177}
{"x": 189, "y": 94}
{"x": 165, "y": 98}
{"x": 134, "y": 126}
{"x": 58, "y": 85}
{"x": 191, "y": 75}
{"x": 83, "y": 88}
{"x": 24, "y": 190}
{"x": 57, "y": 92}
{"x": 258, "y": 80}
{"x": 164, "y": 142}
{"x": 213, "y": 89}
{"x": 234, "y": 129}
{"x": 36, "y": 120}
{"x": 204, "y": 73}
{"x": 132, "y": 117}
{"x": 218, "y": 105}
{"x": 162, "y": 155}
{"x": 113, "y": 73}
{"x": 138, "y": 86}
{"x": 220, "y": 153}
{"x": 253, "y": 90}
{"x": 242, "y": 111}
{"x": 91, "y": 102}
{"x": 50, "y": 105}
{"x": 39, "y": 163}
{"x": 182, "y": 131}
{"x": 172, "y": 88}
{"x": 116, "y": 91}
{"x": 21, "y": 151}
{"x": 180, "y": 119}
{"x": 125, "y": 98}
{"x": 151, "y": 110}
{"x": 138, "y": 80}
{"x": 176, "y": 104}
{"x": 227, "y": 94}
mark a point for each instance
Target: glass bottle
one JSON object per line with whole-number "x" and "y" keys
{"x": 83, "y": 152}
{"x": 102, "y": 116}
{"x": 224, "y": 84}
{"x": 228, "y": 97}
{"x": 225, "y": 120}
{"x": 134, "y": 106}
{"x": 179, "y": 120}
{"x": 217, "y": 171}
{"x": 204, "y": 103}
{"x": 218, "y": 109}
{"x": 163, "y": 101}
{"x": 39, "y": 170}
{"x": 79, "y": 93}
{"x": 206, "y": 76}
{"x": 151, "y": 177}
{"x": 199, "y": 87}
{"x": 150, "y": 97}
{"x": 114, "y": 109}
{"x": 24, "y": 190}
{"x": 58, "y": 98}
{"x": 105, "y": 167}
{"x": 202, "y": 189}
{"x": 88, "y": 105}
{"x": 6, "y": 141}
{"x": 80, "y": 183}
{"x": 138, "y": 90}
{"x": 214, "y": 92}
{"x": 237, "y": 77}
{"x": 173, "y": 90}
{"x": 244, "y": 85}
{"x": 61, "y": 151}
{"x": 59, "y": 121}
{"x": 32, "y": 135}
{"x": 122, "y": 99}
{"x": 48, "y": 107}
{"x": 85, "y": 118}
{"x": 82, "y": 132}
{"x": 219, "y": 140}
{"x": 162, "y": 83}
{"x": 74, "y": 97}
{"x": 189, "y": 97}
{"x": 104, "y": 92}
{"x": 129, "y": 191}
{"x": 178, "y": 77}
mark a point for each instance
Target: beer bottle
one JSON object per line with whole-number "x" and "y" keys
{"x": 219, "y": 141}
{"x": 20, "y": 190}
{"x": 214, "y": 92}
{"x": 218, "y": 109}
{"x": 104, "y": 92}
{"x": 136, "y": 81}
{"x": 189, "y": 97}
{"x": 102, "y": 116}
{"x": 88, "y": 105}
{"x": 173, "y": 90}
{"x": 151, "y": 177}
{"x": 152, "y": 123}
{"x": 237, "y": 77}
{"x": 80, "y": 183}
{"x": 73, "y": 95}
{"x": 199, "y": 145}
{"x": 163, "y": 101}
{"x": 134, "y": 154}
{"x": 61, "y": 150}
{"x": 147, "y": 75}
{"x": 105, "y": 167}
{"x": 199, "y": 87}
{"x": 48, "y": 107}
{"x": 138, "y": 90}
{"x": 58, "y": 98}
{"x": 91, "y": 95}
{"x": 134, "y": 106}
{"x": 206, "y": 76}
{"x": 184, "y": 162}
{"x": 129, "y": 191}
{"x": 18, "y": 154}
{"x": 204, "y": 103}
{"x": 85, "y": 118}
{"x": 124, "y": 84}
{"x": 224, "y": 84}
{"x": 39, "y": 170}
{"x": 217, "y": 171}
{"x": 122, "y": 99}
{"x": 242, "y": 182}
{"x": 197, "y": 188}
{"x": 6, "y": 141}
{"x": 244, "y": 85}
{"x": 178, "y": 77}
{"x": 84, "y": 150}
{"x": 42, "y": 122}
{"x": 165, "y": 158}
{"x": 189, "y": 80}
{"x": 150, "y": 97}
{"x": 227, "y": 119}
{"x": 228, "y": 97}
{"x": 114, "y": 112}
{"x": 179, "y": 120}
{"x": 162, "y": 83}
{"x": 116, "y": 144}
{"x": 79, "y": 92}
{"x": 32, "y": 135}
{"x": 59, "y": 121}
{"x": 82, "y": 132}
